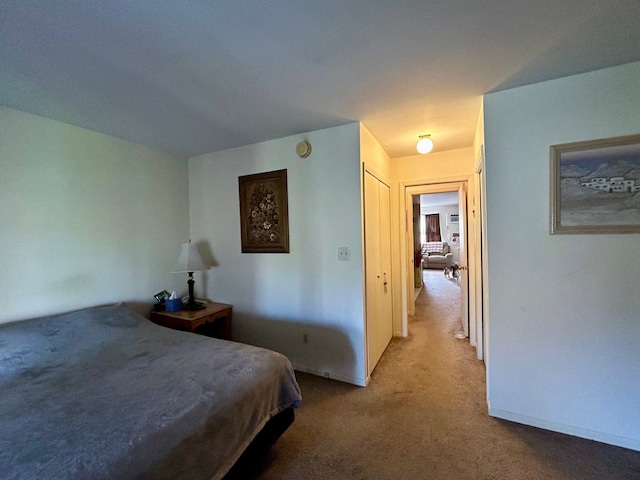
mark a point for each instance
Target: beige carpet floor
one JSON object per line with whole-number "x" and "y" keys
{"x": 424, "y": 416}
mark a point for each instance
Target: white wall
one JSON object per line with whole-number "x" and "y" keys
{"x": 277, "y": 298}
{"x": 87, "y": 219}
{"x": 564, "y": 310}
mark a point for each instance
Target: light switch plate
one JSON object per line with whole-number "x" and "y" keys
{"x": 344, "y": 253}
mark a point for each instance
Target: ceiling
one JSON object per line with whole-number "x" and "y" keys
{"x": 444, "y": 199}
{"x": 200, "y": 76}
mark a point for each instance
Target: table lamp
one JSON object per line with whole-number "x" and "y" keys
{"x": 189, "y": 261}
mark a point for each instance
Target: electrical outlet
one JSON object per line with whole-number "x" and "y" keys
{"x": 344, "y": 253}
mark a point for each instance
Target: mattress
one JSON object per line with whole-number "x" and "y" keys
{"x": 105, "y": 393}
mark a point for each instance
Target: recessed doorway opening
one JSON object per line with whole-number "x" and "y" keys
{"x": 411, "y": 257}
{"x": 436, "y": 238}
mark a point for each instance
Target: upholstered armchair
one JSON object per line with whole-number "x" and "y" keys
{"x": 436, "y": 255}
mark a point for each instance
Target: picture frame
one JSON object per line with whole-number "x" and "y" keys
{"x": 161, "y": 296}
{"x": 595, "y": 186}
{"x": 264, "y": 212}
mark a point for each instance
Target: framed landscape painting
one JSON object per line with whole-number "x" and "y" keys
{"x": 595, "y": 186}
{"x": 264, "y": 212}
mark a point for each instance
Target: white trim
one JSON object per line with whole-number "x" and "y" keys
{"x": 480, "y": 257}
{"x": 624, "y": 442}
{"x": 360, "y": 382}
{"x": 434, "y": 181}
{"x": 482, "y": 190}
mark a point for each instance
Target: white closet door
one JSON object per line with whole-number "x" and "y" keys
{"x": 378, "y": 268}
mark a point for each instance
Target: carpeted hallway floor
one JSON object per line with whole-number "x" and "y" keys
{"x": 424, "y": 416}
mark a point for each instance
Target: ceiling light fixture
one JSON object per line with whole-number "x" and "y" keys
{"x": 425, "y": 144}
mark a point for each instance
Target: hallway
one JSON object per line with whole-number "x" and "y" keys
{"x": 439, "y": 301}
{"x": 424, "y": 416}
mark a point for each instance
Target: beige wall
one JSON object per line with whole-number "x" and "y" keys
{"x": 87, "y": 219}
{"x": 478, "y": 138}
{"x": 373, "y": 155}
{"x": 416, "y": 170}
{"x": 434, "y": 167}
{"x": 375, "y": 159}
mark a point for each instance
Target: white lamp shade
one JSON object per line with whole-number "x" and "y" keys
{"x": 425, "y": 145}
{"x": 189, "y": 259}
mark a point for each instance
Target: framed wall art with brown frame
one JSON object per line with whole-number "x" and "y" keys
{"x": 595, "y": 186}
{"x": 264, "y": 212}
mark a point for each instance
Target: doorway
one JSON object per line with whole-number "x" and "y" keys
{"x": 436, "y": 237}
{"x": 467, "y": 253}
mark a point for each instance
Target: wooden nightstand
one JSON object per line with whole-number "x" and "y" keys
{"x": 213, "y": 321}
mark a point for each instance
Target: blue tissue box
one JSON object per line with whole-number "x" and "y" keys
{"x": 173, "y": 305}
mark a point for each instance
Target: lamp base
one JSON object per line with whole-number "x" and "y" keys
{"x": 193, "y": 306}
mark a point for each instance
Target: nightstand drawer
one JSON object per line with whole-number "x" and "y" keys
{"x": 213, "y": 321}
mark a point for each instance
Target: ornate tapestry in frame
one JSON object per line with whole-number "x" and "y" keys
{"x": 264, "y": 215}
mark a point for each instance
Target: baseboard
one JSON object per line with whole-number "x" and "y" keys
{"x": 360, "y": 382}
{"x": 630, "y": 443}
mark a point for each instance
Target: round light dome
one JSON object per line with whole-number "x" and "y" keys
{"x": 425, "y": 144}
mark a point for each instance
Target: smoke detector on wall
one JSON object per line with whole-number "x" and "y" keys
{"x": 303, "y": 149}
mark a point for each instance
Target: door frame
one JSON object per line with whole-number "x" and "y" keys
{"x": 419, "y": 187}
{"x": 481, "y": 263}
{"x": 480, "y": 246}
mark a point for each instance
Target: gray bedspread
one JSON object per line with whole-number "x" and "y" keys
{"x": 105, "y": 393}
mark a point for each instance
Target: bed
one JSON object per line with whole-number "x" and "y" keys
{"x": 104, "y": 393}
